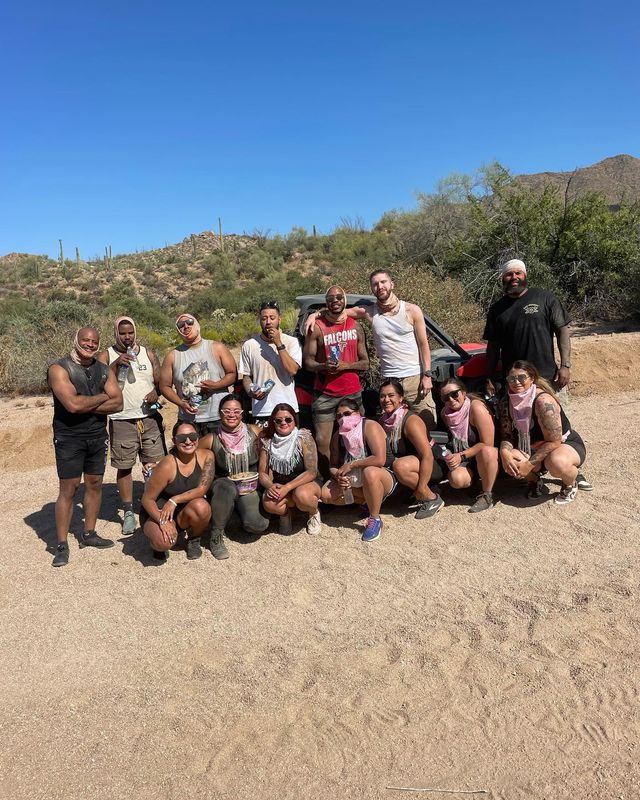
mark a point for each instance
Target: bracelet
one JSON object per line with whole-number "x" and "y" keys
{"x": 171, "y": 500}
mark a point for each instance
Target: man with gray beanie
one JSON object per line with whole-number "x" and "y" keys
{"x": 521, "y": 326}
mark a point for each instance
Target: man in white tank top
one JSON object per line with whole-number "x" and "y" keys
{"x": 137, "y": 430}
{"x": 401, "y": 341}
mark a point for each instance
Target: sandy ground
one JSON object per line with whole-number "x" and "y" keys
{"x": 494, "y": 652}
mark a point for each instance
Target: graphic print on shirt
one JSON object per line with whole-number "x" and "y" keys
{"x": 194, "y": 374}
{"x": 336, "y": 341}
{"x": 532, "y": 308}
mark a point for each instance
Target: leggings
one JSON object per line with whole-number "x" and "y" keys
{"x": 224, "y": 499}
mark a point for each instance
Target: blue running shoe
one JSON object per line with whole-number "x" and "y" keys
{"x": 372, "y": 531}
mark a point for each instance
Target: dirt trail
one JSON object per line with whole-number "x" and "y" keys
{"x": 496, "y": 651}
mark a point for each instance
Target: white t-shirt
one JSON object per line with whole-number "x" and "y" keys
{"x": 261, "y": 362}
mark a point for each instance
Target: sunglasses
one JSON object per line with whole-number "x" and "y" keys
{"x": 344, "y": 414}
{"x": 521, "y": 377}
{"x": 283, "y": 420}
{"x": 270, "y": 304}
{"x": 451, "y": 395}
{"x": 331, "y": 297}
{"x": 185, "y": 323}
{"x": 231, "y": 412}
{"x": 181, "y": 438}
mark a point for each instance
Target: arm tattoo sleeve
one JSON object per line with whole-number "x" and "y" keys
{"x": 208, "y": 471}
{"x": 309, "y": 453}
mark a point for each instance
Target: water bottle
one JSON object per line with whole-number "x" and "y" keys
{"x": 123, "y": 369}
{"x": 267, "y": 386}
{"x": 147, "y": 469}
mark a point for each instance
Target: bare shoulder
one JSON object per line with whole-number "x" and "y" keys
{"x": 103, "y": 357}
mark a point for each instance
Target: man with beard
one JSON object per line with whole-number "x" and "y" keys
{"x": 137, "y": 429}
{"x": 268, "y": 364}
{"x": 84, "y": 392}
{"x": 336, "y": 351}
{"x": 521, "y": 327}
{"x": 197, "y": 375}
{"x": 401, "y": 341}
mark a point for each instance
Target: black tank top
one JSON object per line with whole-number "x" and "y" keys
{"x": 367, "y": 452}
{"x": 87, "y": 381}
{"x": 536, "y": 434}
{"x": 182, "y": 483}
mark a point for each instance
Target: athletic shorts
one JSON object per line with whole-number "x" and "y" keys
{"x": 75, "y": 455}
{"x": 133, "y": 437}
{"x": 324, "y": 405}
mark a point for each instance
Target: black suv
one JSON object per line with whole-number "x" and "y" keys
{"x": 451, "y": 359}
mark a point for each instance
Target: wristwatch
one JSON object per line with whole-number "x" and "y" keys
{"x": 566, "y": 364}
{"x": 427, "y": 373}
{"x": 280, "y": 347}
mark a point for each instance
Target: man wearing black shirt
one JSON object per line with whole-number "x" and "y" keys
{"x": 521, "y": 326}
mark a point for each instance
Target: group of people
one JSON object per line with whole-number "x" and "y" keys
{"x": 269, "y": 465}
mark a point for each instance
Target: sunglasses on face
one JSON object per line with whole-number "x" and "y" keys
{"x": 451, "y": 395}
{"x": 270, "y": 304}
{"x": 283, "y": 420}
{"x": 231, "y": 412}
{"x": 181, "y": 438}
{"x": 331, "y": 297}
{"x": 344, "y": 414}
{"x": 185, "y": 323}
{"x": 521, "y": 377}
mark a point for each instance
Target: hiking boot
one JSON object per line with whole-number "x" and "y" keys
{"x": 129, "y": 523}
{"x": 427, "y": 508}
{"x": 583, "y": 484}
{"x": 194, "y": 550}
{"x": 91, "y": 539}
{"x": 314, "y": 525}
{"x": 61, "y": 558}
{"x": 217, "y": 546}
{"x": 373, "y": 529}
{"x": 567, "y": 494}
{"x": 483, "y": 502}
{"x": 285, "y": 524}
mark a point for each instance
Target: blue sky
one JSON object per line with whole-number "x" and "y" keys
{"x": 136, "y": 123}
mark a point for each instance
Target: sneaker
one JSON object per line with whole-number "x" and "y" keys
{"x": 129, "y": 523}
{"x": 567, "y": 494}
{"x": 160, "y": 556}
{"x": 217, "y": 546}
{"x": 91, "y": 539}
{"x": 427, "y": 508}
{"x": 194, "y": 550}
{"x": 373, "y": 529}
{"x": 535, "y": 489}
{"x": 284, "y": 524}
{"x": 314, "y": 526}
{"x": 61, "y": 558}
{"x": 583, "y": 484}
{"x": 483, "y": 502}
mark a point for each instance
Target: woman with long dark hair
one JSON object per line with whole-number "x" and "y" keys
{"x": 536, "y": 434}
{"x": 173, "y": 503}
{"x": 288, "y": 470}
{"x": 235, "y": 447}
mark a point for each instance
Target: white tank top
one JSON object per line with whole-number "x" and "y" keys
{"x": 192, "y": 365}
{"x": 395, "y": 340}
{"x": 137, "y": 385}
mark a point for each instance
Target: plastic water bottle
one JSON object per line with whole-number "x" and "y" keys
{"x": 347, "y": 495}
{"x": 147, "y": 469}
{"x": 123, "y": 369}
{"x": 268, "y": 385}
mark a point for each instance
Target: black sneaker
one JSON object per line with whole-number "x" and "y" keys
{"x": 61, "y": 558}
{"x": 217, "y": 546}
{"x": 583, "y": 484}
{"x": 91, "y": 539}
{"x": 194, "y": 550}
{"x": 160, "y": 556}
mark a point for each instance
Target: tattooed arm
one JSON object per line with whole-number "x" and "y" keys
{"x": 547, "y": 412}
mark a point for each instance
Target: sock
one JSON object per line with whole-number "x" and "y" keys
{"x": 127, "y": 507}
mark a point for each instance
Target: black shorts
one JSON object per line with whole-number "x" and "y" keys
{"x": 75, "y": 455}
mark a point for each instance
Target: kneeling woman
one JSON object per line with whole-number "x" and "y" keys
{"x": 473, "y": 435}
{"x": 536, "y": 435}
{"x": 408, "y": 438}
{"x": 288, "y": 469}
{"x": 359, "y": 465}
{"x": 235, "y": 449}
{"x": 173, "y": 503}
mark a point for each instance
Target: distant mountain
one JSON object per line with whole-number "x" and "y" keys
{"x": 617, "y": 178}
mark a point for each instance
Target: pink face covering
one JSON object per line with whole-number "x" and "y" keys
{"x": 392, "y": 420}
{"x": 352, "y": 432}
{"x": 521, "y": 408}
{"x": 234, "y": 441}
{"x": 458, "y": 424}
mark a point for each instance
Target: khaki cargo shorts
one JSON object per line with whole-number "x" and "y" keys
{"x": 424, "y": 406}
{"x": 131, "y": 438}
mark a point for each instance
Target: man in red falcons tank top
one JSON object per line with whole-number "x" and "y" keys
{"x": 335, "y": 349}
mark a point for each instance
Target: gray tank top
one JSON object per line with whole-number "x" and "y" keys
{"x": 192, "y": 365}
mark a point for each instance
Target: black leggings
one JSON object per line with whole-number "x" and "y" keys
{"x": 224, "y": 498}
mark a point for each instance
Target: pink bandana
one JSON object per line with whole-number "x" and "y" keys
{"x": 458, "y": 424}
{"x": 521, "y": 407}
{"x": 234, "y": 441}
{"x": 352, "y": 433}
{"x": 392, "y": 424}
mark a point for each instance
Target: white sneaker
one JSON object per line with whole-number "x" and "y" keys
{"x": 567, "y": 494}
{"x": 284, "y": 524}
{"x": 314, "y": 525}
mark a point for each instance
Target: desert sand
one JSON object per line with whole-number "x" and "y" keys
{"x": 495, "y": 652}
